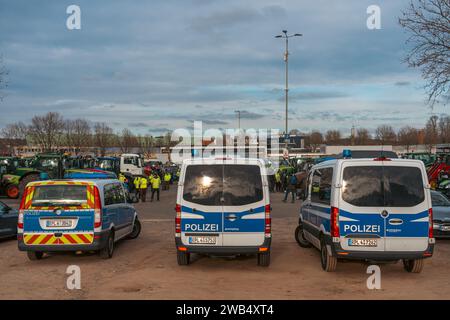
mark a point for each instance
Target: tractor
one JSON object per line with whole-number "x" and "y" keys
{"x": 9, "y": 183}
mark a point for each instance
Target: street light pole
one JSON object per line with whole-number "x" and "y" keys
{"x": 286, "y": 88}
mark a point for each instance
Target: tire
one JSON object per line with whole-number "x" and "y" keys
{"x": 108, "y": 251}
{"x": 264, "y": 259}
{"x": 35, "y": 255}
{"x": 183, "y": 258}
{"x": 136, "y": 229}
{"x": 300, "y": 237}
{"x": 12, "y": 191}
{"x": 413, "y": 266}
{"x": 25, "y": 180}
{"x": 328, "y": 262}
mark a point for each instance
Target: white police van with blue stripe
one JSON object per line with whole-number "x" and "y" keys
{"x": 223, "y": 208}
{"x": 369, "y": 209}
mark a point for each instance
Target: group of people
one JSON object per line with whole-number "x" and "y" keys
{"x": 289, "y": 183}
{"x": 155, "y": 181}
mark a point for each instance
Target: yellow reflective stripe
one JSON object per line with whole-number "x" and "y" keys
{"x": 64, "y": 240}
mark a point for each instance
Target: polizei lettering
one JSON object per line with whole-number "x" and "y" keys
{"x": 208, "y": 227}
{"x": 365, "y": 228}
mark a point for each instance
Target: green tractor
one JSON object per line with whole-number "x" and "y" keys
{"x": 9, "y": 183}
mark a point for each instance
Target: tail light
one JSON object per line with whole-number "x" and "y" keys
{"x": 97, "y": 209}
{"x": 267, "y": 220}
{"x": 334, "y": 222}
{"x": 21, "y": 209}
{"x": 430, "y": 226}
{"x": 178, "y": 220}
{"x": 383, "y": 158}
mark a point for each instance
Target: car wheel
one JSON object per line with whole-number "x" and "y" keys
{"x": 108, "y": 251}
{"x": 413, "y": 266}
{"x": 300, "y": 237}
{"x": 35, "y": 255}
{"x": 264, "y": 259}
{"x": 136, "y": 229}
{"x": 328, "y": 262}
{"x": 183, "y": 258}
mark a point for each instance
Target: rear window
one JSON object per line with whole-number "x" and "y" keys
{"x": 229, "y": 185}
{"x": 59, "y": 195}
{"x": 383, "y": 186}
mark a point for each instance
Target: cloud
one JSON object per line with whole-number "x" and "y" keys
{"x": 402, "y": 83}
{"x": 315, "y": 95}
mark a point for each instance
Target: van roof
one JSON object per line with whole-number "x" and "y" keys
{"x": 225, "y": 160}
{"x": 387, "y": 161}
{"x": 98, "y": 182}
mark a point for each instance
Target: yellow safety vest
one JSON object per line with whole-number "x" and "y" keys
{"x": 277, "y": 177}
{"x": 137, "y": 182}
{"x": 122, "y": 178}
{"x": 156, "y": 182}
{"x": 167, "y": 177}
{"x": 143, "y": 183}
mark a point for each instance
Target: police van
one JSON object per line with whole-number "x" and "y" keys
{"x": 223, "y": 208}
{"x": 75, "y": 215}
{"x": 370, "y": 209}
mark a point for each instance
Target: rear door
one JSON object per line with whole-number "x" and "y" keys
{"x": 361, "y": 224}
{"x": 58, "y": 214}
{"x": 244, "y": 205}
{"x": 202, "y": 205}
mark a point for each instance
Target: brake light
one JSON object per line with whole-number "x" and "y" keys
{"x": 334, "y": 222}
{"x": 267, "y": 220}
{"x": 430, "y": 222}
{"x": 178, "y": 220}
{"x": 97, "y": 209}
{"x": 21, "y": 209}
{"x": 382, "y": 159}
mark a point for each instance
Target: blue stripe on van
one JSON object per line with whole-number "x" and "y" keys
{"x": 212, "y": 221}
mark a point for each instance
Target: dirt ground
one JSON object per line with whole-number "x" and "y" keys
{"x": 146, "y": 268}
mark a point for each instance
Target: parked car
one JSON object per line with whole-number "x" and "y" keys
{"x": 441, "y": 215}
{"x": 75, "y": 215}
{"x": 8, "y": 221}
{"x": 368, "y": 209}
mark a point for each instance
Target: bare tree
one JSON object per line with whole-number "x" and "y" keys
{"x": 77, "y": 134}
{"x": 315, "y": 140}
{"x": 47, "y": 130}
{"x": 3, "y": 78}
{"x": 146, "y": 144}
{"x": 428, "y": 22}
{"x": 14, "y": 135}
{"x": 431, "y": 132}
{"x": 385, "y": 134}
{"x": 127, "y": 140}
{"x": 333, "y": 137}
{"x": 444, "y": 129}
{"x": 103, "y": 137}
{"x": 362, "y": 136}
{"x": 407, "y": 136}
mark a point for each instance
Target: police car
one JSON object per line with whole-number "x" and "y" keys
{"x": 223, "y": 208}
{"x": 75, "y": 215}
{"x": 369, "y": 209}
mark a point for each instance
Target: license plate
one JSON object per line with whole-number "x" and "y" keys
{"x": 445, "y": 228}
{"x": 363, "y": 242}
{"x": 202, "y": 240}
{"x": 59, "y": 223}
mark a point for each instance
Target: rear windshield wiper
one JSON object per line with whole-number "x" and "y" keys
{"x": 55, "y": 204}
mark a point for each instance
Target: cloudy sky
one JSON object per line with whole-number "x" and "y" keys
{"x": 158, "y": 65}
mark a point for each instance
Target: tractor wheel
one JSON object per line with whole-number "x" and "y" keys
{"x": 25, "y": 180}
{"x": 12, "y": 191}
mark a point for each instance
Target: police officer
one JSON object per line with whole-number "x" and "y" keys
{"x": 137, "y": 186}
{"x": 278, "y": 187}
{"x": 143, "y": 188}
{"x": 167, "y": 178}
{"x": 291, "y": 188}
{"x": 155, "y": 180}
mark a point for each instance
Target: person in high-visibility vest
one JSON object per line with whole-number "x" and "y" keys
{"x": 167, "y": 178}
{"x": 156, "y": 182}
{"x": 137, "y": 186}
{"x": 278, "y": 187}
{"x": 143, "y": 188}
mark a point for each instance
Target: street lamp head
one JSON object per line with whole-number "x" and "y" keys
{"x": 298, "y": 35}
{"x": 278, "y": 36}
{"x": 284, "y": 31}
